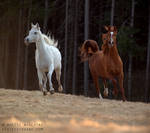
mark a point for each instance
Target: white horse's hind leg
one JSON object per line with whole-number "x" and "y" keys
{"x": 51, "y": 69}
{"x": 44, "y": 80}
{"x": 58, "y": 75}
{"x": 40, "y": 76}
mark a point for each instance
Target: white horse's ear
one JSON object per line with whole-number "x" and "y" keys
{"x": 32, "y": 24}
{"x": 37, "y": 25}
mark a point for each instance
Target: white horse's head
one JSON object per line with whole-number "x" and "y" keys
{"x": 34, "y": 34}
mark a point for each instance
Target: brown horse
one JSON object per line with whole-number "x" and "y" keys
{"x": 106, "y": 63}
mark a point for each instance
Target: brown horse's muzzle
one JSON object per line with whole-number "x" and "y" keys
{"x": 110, "y": 44}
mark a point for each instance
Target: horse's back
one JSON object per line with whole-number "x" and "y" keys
{"x": 96, "y": 63}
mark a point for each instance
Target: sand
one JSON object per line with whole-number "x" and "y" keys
{"x": 24, "y": 111}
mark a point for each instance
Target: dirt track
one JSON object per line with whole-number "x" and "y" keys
{"x": 31, "y": 112}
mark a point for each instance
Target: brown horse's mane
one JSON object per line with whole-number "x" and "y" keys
{"x": 104, "y": 46}
{"x": 88, "y": 48}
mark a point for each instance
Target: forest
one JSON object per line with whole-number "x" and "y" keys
{"x": 71, "y": 22}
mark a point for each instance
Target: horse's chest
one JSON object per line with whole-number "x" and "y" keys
{"x": 42, "y": 62}
{"x": 113, "y": 68}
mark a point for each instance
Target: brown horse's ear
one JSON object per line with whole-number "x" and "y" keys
{"x": 106, "y": 27}
{"x": 104, "y": 38}
{"x": 115, "y": 29}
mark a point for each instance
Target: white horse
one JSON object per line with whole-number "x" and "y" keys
{"x": 47, "y": 58}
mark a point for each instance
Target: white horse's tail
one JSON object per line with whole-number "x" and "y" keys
{"x": 50, "y": 40}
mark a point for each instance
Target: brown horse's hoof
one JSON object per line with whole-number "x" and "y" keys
{"x": 105, "y": 92}
{"x": 52, "y": 92}
{"x": 105, "y": 95}
{"x": 124, "y": 99}
{"x": 115, "y": 93}
{"x": 100, "y": 96}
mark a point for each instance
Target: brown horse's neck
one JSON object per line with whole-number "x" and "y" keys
{"x": 112, "y": 52}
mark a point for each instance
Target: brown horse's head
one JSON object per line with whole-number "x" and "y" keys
{"x": 105, "y": 38}
{"x": 88, "y": 48}
{"x": 110, "y": 36}
{"x": 111, "y": 29}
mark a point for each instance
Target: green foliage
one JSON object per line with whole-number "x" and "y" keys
{"x": 127, "y": 41}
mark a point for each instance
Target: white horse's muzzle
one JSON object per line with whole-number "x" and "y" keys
{"x": 26, "y": 41}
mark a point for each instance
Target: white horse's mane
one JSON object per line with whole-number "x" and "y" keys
{"x": 50, "y": 40}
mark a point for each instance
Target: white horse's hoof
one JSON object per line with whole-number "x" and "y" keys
{"x": 60, "y": 89}
{"x": 52, "y": 91}
{"x": 44, "y": 93}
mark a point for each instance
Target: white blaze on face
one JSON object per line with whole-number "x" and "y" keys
{"x": 111, "y": 37}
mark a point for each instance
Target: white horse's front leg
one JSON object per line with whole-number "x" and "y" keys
{"x": 51, "y": 69}
{"x": 40, "y": 77}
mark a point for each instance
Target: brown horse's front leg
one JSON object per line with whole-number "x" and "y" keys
{"x": 95, "y": 79}
{"x": 105, "y": 88}
{"x": 121, "y": 87}
{"x": 115, "y": 91}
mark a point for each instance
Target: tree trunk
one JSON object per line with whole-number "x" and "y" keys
{"x": 75, "y": 49}
{"x": 130, "y": 76}
{"x": 130, "y": 55}
{"x": 6, "y": 59}
{"x": 25, "y": 83}
{"x": 66, "y": 43}
{"x": 100, "y": 18}
{"x": 86, "y": 32}
{"x": 19, "y": 48}
{"x": 2, "y": 64}
{"x": 45, "y": 17}
{"x": 148, "y": 62}
{"x": 70, "y": 42}
{"x": 112, "y": 13}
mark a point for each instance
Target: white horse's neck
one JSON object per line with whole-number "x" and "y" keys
{"x": 40, "y": 44}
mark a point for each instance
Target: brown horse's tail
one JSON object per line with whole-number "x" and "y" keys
{"x": 88, "y": 48}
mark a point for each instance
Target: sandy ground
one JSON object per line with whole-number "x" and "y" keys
{"x": 31, "y": 112}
